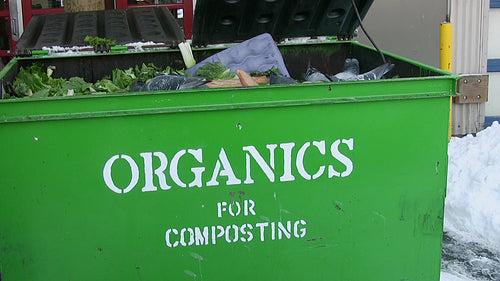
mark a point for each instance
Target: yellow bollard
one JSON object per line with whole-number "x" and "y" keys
{"x": 446, "y": 56}
{"x": 446, "y": 48}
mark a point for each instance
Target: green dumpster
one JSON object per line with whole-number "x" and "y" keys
{"x": 307, "y": 181}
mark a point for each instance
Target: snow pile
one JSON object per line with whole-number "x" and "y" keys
{"x": 450, "y": 277}
{"x": 472, "y": 209}
{"x": 471, "y": 245}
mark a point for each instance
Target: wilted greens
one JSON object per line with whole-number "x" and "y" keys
{"x": 266, "y": 73}
{"x": 35, "y": 81}
{"x": 214, "y": 71}
{"x": 95, "y": 41}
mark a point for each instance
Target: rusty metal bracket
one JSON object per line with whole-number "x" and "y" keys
{"x": 472, "y": 88}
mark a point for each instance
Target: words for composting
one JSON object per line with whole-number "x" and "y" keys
{"x": 235, "y": 233}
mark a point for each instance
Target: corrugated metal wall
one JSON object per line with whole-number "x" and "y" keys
{"x": 470, "y": 21}
{"x": 470, "y": 52}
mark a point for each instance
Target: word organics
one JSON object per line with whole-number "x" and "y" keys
{"x": 224, "y": 168}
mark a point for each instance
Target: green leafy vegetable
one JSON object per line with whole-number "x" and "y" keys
{"x": 123, "y": 79}
{"x": 105, "y": 86}
{"x": 95, "y": 41}
{"x": 55, "y": 86}
{"x": 147, "y": 71}
{"x": 214, "y": 71}
{"x": 266, "y": 73}
{"x": 76, "y": 86}
{"x": 33, "y": 81}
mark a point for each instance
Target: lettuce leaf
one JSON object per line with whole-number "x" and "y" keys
{"x": 34, "y": 81}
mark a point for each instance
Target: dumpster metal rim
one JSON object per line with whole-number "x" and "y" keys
{"x": 184, "y": 109}
{"x": 228, "y": 99}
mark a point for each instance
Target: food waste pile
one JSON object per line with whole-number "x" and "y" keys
{"x": 39, "y": 82}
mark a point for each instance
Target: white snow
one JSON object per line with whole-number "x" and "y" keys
{"x": 472, "y": 210}
{"x": 88, "y": 50}
{"x": 68, "y": 51}
{"x": 143, "y": 46}
{"x": 472, "y": 207}
{"x": 445, "y": 276}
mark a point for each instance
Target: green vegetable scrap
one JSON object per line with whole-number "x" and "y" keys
{"x": 96, "y": 41}
{"x": 30, "y": 80}
{"x": 106, "y": 86}
{"x": 215, "y": 71}
{"x": 148, "y": 71}
{"x": 76, "y": 86}
{"x": 121, "y": 80}
{"x": 187, "y": 54}
{"x": 33, "y": 81}
{"x": 124, "y": 78}
{"x": 266, "y": 73}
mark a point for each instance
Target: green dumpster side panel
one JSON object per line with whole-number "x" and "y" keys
{"x": 316, "y": 182}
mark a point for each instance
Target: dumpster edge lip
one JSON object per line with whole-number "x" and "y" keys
{"x": 164, "y": 108}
